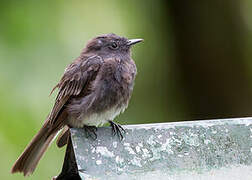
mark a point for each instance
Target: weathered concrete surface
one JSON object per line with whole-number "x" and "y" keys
{"x": 181, "y": 150}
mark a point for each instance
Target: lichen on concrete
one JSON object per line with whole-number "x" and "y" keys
{"x": 172, "y": 148}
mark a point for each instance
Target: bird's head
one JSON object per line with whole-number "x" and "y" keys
{"x": 110, "y": 45}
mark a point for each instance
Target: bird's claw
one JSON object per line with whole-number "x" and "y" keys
{"x": 117, "y": 129}
{"x": 90, "y": 132}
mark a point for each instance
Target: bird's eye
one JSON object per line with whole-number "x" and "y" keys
{"x": 114, "y": 45}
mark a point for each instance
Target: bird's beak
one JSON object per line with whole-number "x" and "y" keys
{"x": 134, "y": 41}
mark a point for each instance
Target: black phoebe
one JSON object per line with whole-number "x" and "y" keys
{"x": 94, "y": 89}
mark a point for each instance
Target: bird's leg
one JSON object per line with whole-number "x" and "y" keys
{"x": 117, "y": 129}
{"x": 90, "y": 131}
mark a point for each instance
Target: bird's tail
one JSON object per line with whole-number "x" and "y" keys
{"x": 63, "y": 137}
{"x": 28, "y": 160}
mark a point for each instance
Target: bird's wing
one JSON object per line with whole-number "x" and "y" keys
{"x": 76, "y": 77}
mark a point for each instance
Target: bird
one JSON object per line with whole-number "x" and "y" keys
{"x": 94, "y": 89}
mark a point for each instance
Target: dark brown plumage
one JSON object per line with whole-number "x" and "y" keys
{"x": 94, "y": 89}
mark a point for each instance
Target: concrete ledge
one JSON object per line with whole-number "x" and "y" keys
{"x": 209, "y": 149}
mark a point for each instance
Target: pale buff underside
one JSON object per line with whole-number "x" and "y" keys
{"x": 97, "y": 119}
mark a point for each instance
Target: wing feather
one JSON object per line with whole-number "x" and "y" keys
{"x": 77, "y": 75}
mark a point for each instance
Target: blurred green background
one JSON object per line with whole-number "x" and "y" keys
{"x": 195, "y": 63}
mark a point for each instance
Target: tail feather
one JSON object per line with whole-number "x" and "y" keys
{"x": 63, "y": 137}
{"x": 29, "y": 159}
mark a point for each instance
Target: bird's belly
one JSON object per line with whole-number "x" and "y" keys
{"x": 96, "y": 119}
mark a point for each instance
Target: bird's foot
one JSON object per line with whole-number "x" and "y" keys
{"x": 117, "y": 129}
{"x": 90, "y": 132}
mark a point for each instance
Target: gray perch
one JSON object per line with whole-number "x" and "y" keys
{"x": 210, "y": 149}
